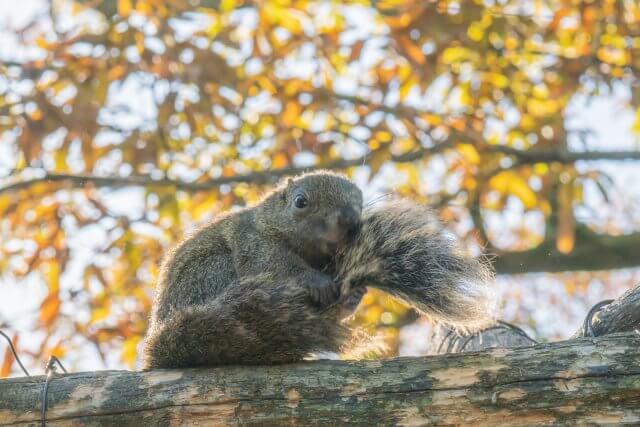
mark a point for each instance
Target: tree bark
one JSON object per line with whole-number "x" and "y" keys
{"x": 585, "y": 381}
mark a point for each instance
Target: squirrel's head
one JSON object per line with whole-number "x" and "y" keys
{"x": 315, "y": 212}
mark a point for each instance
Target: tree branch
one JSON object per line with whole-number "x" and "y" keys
{"x": 582, "y": 381}
{"x": 621, "y": 315}
{"x": 592, "y": 251}
{"x": 562, "y": 156}
{"x": 523, "y": 157}
{"x": 80, "y": 181}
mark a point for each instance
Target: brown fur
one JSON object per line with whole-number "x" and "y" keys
{"x": 254, "y": 321}
{"x": 250, "y": 286}
{"x": 259, "y": 286}
{"x": 403, "y": 249}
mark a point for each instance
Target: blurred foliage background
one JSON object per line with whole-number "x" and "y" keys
{"x": 126, "y": 123}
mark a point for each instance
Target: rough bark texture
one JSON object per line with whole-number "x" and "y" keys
{"x": 622, "y": 315}
{"x": 585, "y": 381}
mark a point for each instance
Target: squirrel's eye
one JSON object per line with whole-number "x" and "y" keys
{"x": 300, "y": 201}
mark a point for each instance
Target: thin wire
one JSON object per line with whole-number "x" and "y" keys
{"x": 587, "y": 326}
{"x": 15, "y": 354}
{"x": 50, "y": 371}
{"x": 501, "y": 325}
{"x": 43, "y": 406}
{"x": 448, "y": 334}
{"x": 587, "y": 329}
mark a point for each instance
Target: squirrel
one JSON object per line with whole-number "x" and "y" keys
{"x": 271, "y": 283}
{"x": 254, "y": 286}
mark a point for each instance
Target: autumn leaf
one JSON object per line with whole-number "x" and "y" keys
{"x": 129, "y": 350}
{"x": 510, "y": 183}
{"x": 291, "y": 113}
{"x": 8, "y": 359}
{"x": 124, "y": 8}
{"x": 565, "y": 239}
{"x": 49, "y": 309}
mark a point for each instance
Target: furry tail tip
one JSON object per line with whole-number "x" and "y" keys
{"x": 403, "y": 249}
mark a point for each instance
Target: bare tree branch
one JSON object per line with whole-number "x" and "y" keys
{"x": 560, "y": 156}
{"x": 80, "y": 181}
{"x": 592, "y": 251}
{"x": 522, "y": 157}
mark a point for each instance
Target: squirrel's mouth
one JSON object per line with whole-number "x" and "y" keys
{"x": 331, "y": 241}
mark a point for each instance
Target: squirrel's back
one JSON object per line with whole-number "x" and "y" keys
{"x": 199, "y": 267}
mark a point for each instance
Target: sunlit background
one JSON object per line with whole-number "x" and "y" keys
{"x": 126, "y": 123}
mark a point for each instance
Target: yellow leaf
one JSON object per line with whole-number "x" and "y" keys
{"x": 49, "y": 309}
{"x": 144, "y": 7}
{"x": 266, "y": 84}
{"x": 60, "y": 160}
{"x": 411, "y": 171}
{"x": 383, "y": 136}
{"x": 100, "y": 312}
{"x": 402, "y": 146}
{"x": 510, "y": 183}
{"x": 130, "y": 351}
{"x": 42, "y": 43}
{"x": 282, "y": 16}
{"x": 469, "y": 153}
{"x": 636, "y": 124}
{"x": 541, "y": 168}
{"x": 227, "y": 5}
{"x": 291, "y": 113}
{"x": 407, "y": 86}
{"x": 475, "y": 31}
{"x": 5, "y": 202}
{"x": 455, "y": 54}
{"x": 53, "y": 276}
{"x": 124, "y": 8}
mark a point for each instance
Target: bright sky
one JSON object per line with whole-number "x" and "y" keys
{"x": 604, "y": 115}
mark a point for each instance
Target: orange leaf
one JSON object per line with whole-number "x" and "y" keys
{"x": 412, "y": 50}
{"x": 49, "y": 309}
{"x": 291, "y": 113}
{"x": 7, "y": 362}
{"x": 565, "y": 239}
{"x": 356, "y": 49}
{"x": 279, "y": 161}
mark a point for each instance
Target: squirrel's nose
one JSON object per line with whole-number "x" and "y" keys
{"x": 349, "y": 220}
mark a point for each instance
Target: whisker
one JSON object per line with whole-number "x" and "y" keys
{"x": 377, "y": 199}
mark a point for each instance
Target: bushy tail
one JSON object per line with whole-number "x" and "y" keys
{"x": 404, "y": 250}
{"x": 256, "y": 321}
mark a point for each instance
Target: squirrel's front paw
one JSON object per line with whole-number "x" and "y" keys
{"x": 354, "y": 298}
{"x": 323, "y": 290}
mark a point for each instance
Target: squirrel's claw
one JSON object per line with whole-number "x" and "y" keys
{"x": 323, "y": 291}
{"x": 353, "y": 299}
